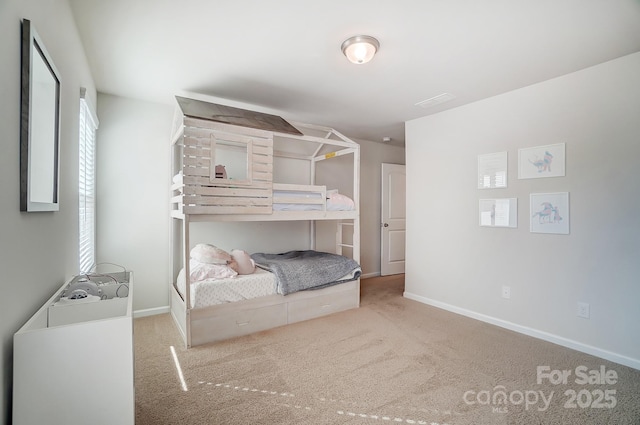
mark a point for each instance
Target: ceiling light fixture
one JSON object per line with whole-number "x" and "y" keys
{"x": 360, "y": 49}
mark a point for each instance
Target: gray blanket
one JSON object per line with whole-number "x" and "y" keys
{"x": 300, "y": 270}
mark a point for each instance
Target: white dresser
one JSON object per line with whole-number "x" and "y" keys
{"x": 73, "y": 362}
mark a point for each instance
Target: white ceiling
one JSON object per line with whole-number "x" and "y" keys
{"x": 284, "y": 55}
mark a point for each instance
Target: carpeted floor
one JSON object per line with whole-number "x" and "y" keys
{"x": 393, "y": 360}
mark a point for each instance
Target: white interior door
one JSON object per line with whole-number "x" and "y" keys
{"x": 393, "y": 219}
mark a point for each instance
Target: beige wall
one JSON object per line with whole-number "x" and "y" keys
{"x": 133, "y": 193}
{"x": 454, "y": 263}
{"x": 38, "y": 251}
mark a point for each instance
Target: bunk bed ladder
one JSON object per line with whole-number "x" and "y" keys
{"x": 340, "y": 238}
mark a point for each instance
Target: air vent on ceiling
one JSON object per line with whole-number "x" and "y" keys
{"x": 436, "y": 100}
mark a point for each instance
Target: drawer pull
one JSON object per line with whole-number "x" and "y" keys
{"x": 326, "y": 306}
{"x": 243, "y": 323}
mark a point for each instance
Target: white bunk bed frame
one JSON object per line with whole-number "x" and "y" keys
{"x": 203, "y": 197}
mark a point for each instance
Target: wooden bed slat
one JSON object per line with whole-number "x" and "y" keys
{"x": 226, "y": 201}
{"x": 199, "y": 181}
{"x": 208, "y": 209}
{"x": 297, "y": 200}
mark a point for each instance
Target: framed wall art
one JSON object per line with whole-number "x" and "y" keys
{"x": 498, "y": 212}
{"x": 492, "y": 170}
{"x": 549, "y": 213}
{"x": 541, "y": 161}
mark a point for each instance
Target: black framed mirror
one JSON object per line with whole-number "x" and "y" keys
{"x": 40, "y": 125}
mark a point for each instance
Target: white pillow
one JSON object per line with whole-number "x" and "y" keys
{"x": 339, "y": 202}
{"x": 201, "y": 271}
{"x": 210, "y": 254}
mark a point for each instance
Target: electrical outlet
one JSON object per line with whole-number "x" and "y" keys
{"x": 506, "y": 291}
{"x": 583, "y": 310}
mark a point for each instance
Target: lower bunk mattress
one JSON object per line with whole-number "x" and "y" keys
{"x": 261, "y": 283}
{"x": 219, "y": 291}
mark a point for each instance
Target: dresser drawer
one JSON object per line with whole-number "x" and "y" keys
{"x": 310, "y": 308}
{"x": 238, "y": 323}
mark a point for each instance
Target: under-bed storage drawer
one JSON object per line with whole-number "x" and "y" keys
{"x": 321, "y": 305}
{"x": 237, "y": 323}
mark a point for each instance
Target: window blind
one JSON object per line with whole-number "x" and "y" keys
{"x": 87, "y": 185}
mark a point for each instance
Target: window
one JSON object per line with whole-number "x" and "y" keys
{"x": 87, "y": 185}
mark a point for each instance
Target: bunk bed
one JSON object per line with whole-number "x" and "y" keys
{"x": 223, "y": 171}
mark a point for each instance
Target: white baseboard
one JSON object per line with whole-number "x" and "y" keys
{"x": 545, "y": 336}
{"x": 150, "y": 312}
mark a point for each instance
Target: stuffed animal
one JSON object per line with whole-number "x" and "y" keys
{"x": 221, "y": 172}
{"x": 246, "y": 265}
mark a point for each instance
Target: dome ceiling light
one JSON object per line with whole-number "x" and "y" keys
{"x": 360, "y": 49}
